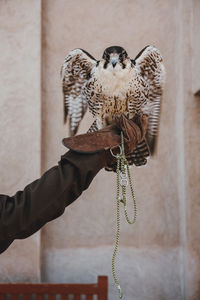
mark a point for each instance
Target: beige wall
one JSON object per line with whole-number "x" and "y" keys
{"x": 20, "y": 126}
{"x": 159, "y": 255}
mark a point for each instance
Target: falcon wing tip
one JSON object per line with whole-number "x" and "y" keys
{"x": 152, "y": 144}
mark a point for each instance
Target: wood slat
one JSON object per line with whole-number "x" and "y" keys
{"x": 52, "y": 297}
{"x": 102, "y": 288}
{"x": 39, "y": 296}
{"x": 89, "y": 297}
{"x": 14, "y": 296}
{"x": 77, "y": 297}
{"x": 27, "y": 297}
{"x": 46, "y": 288}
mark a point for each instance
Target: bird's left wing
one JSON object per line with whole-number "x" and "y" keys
{"x": 75, "y": 72}
{"x": 150, "y": 65}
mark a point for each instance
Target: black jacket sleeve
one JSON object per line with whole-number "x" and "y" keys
{"x": 46, "y": 198}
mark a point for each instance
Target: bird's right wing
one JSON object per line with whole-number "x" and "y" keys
{"x": 150, "y": 64}
{"x": 75, "y": 72}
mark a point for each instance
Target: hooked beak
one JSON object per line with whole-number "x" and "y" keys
{"x": 114, "y": 61}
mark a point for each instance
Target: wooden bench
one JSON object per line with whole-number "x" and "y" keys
{"x": 27, "y": 290}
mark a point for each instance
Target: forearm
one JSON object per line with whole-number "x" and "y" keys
{"x": 46, "y": 198}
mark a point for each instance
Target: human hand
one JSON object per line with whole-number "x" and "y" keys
{"x": 110, "y": 138}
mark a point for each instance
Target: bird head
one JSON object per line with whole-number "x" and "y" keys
{"x": 115, "y": 57}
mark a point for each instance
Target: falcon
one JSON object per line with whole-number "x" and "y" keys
{"x": 114, "y": 85}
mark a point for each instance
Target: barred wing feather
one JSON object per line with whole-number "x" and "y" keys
{"x": 75, "y": 72}
{"x": 149, "y": 63}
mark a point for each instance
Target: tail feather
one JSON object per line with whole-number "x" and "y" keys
{"x": 138, "y": 157}
{"x": 93, "y": 127}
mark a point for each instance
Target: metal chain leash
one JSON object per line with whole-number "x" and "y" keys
{"x": 123, "y": 178}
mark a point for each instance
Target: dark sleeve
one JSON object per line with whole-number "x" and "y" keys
{"x": 46, "y": 198}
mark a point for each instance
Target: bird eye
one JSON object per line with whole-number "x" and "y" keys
{"x": 107, "y": 57}
{"x": 123, "y": 55}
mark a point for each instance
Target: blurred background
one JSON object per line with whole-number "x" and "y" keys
{"x": 159, "y": 256}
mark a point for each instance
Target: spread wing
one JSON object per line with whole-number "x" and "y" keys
{"x": 149, "y": 63}
{"x": 75, "y": 72}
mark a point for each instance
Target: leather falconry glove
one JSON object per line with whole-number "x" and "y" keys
{"x": 110, "y": 138}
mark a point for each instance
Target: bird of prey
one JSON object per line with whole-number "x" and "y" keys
{"x": 114, "y": 85}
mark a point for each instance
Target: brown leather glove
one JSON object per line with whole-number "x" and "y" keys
{"x": 110, "y": 138}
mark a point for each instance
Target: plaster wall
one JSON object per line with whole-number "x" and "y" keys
{"x": 20, "y": 129}
{"x": 161, "y": 187}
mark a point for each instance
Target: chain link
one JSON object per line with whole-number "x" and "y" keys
{"x": 122, "y": 181}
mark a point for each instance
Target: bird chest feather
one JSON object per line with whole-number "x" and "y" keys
{"x": 113, "y": 82}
